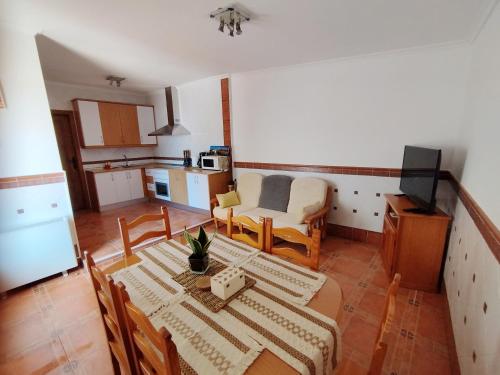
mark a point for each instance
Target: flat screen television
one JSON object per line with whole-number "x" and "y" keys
{"x": 419, "y": 177}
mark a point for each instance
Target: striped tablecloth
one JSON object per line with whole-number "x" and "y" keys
{"x": 270, "y": 315}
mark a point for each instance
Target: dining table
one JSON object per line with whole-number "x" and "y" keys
{"x": 293, "y": 290}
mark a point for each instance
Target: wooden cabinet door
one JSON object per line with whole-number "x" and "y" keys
{"x": 90, "y": 123}
{"x": 111, "y": 124}
{"x": 105, "y": 187}
{"x": 122, "y": 189}
{"x": 388, "y": 246}
{"x": 197, "y": 186}
{"x": 146, "y": 118}
{"x": 178, "y": 186}
{"x": 129, "y": 124}
{"x": 135, "y": 184}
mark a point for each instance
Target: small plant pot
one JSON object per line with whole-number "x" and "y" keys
{"x": 197, "y": 264}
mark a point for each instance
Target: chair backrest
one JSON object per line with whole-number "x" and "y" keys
{"x": 245, "y": 222}
{"x": 112, "y": 317}
{"x": 249, "y": 188}
{"x": 126, "y": 227}
{"x": 312, "y": 244}
{"x": 153, "y": 351}
{"x": 307, "y": 192}
{"x": 380, "y": 348}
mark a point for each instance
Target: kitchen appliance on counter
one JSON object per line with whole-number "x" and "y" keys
{"x": 188, "y": 162}
{"x": 215, "y": 151}
{"x": 215, "y": 162}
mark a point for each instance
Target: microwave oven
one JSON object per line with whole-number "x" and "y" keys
{"x": 215, "y": 162}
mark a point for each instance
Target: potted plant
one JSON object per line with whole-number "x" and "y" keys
{"x": 198, "y": 261}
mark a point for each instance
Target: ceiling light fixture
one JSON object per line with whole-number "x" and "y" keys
{"x": 116, "y": 80}
{"x": 231, "y": 19}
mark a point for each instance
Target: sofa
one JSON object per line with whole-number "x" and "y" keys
{"x": 302, "y": 203}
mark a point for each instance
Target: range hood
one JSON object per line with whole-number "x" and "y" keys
{"x": 172, "y": 128}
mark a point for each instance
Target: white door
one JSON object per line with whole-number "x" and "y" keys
{"x": 146, "y": 118}
{"x": 122, "y": 189}
{"x": 197, "y": 185}
{"x": 105, "y": 188}
{"x": 91, "y": 123}
{"x": 135, "y": 184}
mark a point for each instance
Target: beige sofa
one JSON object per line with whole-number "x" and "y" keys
{"x": 308, "y": 205}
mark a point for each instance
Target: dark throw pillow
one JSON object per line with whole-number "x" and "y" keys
{"x": 275, "y": 192}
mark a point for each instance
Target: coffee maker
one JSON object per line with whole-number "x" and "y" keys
{"x": 188, "y": 162}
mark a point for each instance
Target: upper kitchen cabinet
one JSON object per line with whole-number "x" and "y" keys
{"x": 146, "y": 118}
{"x": 108, "y": 124}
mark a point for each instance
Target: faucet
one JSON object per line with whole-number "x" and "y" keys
{"x": 126, "y": 160}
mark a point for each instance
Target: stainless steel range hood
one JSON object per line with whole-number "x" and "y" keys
{"x": 171, "y": 128}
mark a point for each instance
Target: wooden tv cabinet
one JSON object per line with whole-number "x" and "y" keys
{"x": 413, "y": 244}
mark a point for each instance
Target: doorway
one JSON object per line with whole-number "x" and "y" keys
{"x": 69, "y": 151}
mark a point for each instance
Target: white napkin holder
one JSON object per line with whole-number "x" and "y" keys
{"x": 225, "y": 283}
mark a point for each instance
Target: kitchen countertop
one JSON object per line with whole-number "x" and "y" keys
{"x": 153, "y": 166}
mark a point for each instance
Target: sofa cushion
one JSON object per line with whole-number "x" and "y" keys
{"x": 227, "y": 200}
{"x": 289, "y": 221}
{"x": 256, "y": 213}
{"x": 306, "y": 193}
{"x": 221, "y": 213}
{"x": 248, "y": 189}
{"x": 275, "y": 192}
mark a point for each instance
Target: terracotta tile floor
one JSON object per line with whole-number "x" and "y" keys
{"x": 100, "y": 235}
{"x": 54, "y": 326}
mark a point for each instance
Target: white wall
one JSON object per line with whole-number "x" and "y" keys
{"x": 472, "y": 274}
{"x": 60, "y": 96}
{"x": 480, "y": 134}
{"x": 201, "y": 113}
{"x": 358, "y": 112}
{"x": 27, "y": 140}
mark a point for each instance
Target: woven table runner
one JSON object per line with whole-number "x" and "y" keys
{"x": 206, "y": 297}
{"x": 284, "y": 279}
{"x": 206, "y": 343}
{"x": 230, "y": 252}
{"x": 148, "y": 286}
{"x": 303, "y": 338}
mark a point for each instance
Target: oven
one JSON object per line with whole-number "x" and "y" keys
{"x": 161, "y": 184}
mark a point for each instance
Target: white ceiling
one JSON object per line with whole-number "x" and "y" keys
{"x": 155, "y": 43}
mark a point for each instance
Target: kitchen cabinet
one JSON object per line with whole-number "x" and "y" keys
{"x": 109, "y": 124}
{"x": 178, "y": 186}
{"x": 90, "y": 122}
{"x": 130, "y": 124}
{"x": 114, "y": 187}
{"x": 197, "y": 188}
{"x": 146, "y": 118}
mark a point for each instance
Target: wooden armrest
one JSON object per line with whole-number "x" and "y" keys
{"x": 317, "y": 215}
{"x": 214, "y": 202}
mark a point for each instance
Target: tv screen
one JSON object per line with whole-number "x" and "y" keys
{"x": 419, "y": 176}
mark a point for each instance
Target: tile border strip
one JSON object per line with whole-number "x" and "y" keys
{"x": 32, "y": 180}
{"x": 90, "y": 162}
{"x": 355, "y": 234}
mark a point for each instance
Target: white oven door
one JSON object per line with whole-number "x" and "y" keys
{"x": 162, "y": 189}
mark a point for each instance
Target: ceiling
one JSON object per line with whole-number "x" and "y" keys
{"x": 155, "y": 43}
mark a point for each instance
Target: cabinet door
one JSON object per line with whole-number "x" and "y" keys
{"x": 388, "y": 246}
{"x": 105, "y": 188}
{"x": 197, "y": 186}
{"x": 129, "y": 124}
{"x": 135, "y": 184}
{"x": 178, "y": 186}
{"x": 122, "y": 189}
{"x": 111, "y": 124}
{"x": 90, "y": 122}
{"x": 146, "y": 118}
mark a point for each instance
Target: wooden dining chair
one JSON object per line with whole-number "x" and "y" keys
{"x": 244, "y": 222}
{"x": 126, "y": 227}
{"x": 153, "y": 351}
{"x": 380, "y": 349}
{"x": 312, "y": 244}
{"x": 112, "y": 317}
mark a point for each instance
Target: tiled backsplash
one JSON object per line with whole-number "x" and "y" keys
{"x": 472, "y": 278}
